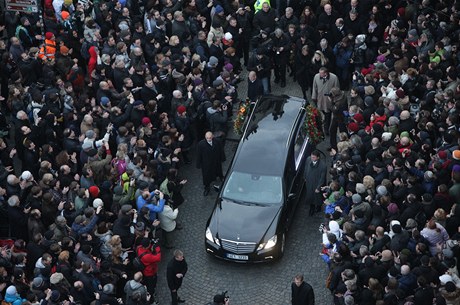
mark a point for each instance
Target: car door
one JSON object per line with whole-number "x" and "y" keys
{"x": 294, "y": 170}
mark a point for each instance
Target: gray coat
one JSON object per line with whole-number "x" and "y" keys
{"x": 322, "y": 87}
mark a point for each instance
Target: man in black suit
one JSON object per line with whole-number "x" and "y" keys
{"x": 210, "y": 155}
{"x": 255, "y": 87}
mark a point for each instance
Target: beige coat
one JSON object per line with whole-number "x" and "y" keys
{"x": 321, "y": 87}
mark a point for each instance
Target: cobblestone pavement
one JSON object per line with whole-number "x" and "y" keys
{"x": 246, "y": 284}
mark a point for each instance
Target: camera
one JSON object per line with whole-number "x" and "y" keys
{"x": 321, "y": 228}
{"x": 221, "y": 298}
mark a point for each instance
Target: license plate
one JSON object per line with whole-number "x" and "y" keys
{"x": 238, "y": 257}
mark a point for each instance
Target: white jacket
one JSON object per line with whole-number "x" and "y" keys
{"x": 168, "y": 218}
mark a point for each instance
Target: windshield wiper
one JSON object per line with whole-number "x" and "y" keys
{"x": 242, "y": 202}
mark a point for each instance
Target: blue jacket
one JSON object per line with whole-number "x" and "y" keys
{"x": 154, "y": 209}
{"x": 80, "y": 229}
{"x": 342, "y": 56}
{"x": 14, "y": 299}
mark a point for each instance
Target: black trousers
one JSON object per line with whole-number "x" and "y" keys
{"x": 151, "y": 283}
{"x": 280, "y": 67}
{"x": 174, "y": 297}
{"x": 340, "y": 124}
{"x": 327, "y": 122}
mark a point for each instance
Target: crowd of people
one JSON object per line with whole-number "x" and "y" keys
{"x": 101, "y": 103}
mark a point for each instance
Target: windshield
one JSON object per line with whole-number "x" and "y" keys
{"x": 252, "y": 188}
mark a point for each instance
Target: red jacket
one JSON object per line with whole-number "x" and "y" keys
{"x": 150, "y": 260}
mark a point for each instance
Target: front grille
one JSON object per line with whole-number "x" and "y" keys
{"x": 238, "y": 247}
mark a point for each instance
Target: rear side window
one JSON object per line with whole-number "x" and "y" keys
{"x": 300, "y": 144}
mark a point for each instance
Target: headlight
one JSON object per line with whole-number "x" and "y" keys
{"x": 211, "y": 238}
{"x": 269, "y": 244}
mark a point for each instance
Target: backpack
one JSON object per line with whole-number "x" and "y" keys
{"x": 137, "y": 262}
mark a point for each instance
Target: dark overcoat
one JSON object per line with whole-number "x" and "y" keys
{"x": 209, "y": 159}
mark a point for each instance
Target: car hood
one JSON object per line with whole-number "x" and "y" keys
{"x": 242, "y": 222}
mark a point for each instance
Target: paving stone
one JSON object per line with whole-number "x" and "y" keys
{"x": 246, "y": 284}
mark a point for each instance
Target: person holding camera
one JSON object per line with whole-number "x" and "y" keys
{"x": 150, "y": 255}
{"x": 220, "y": 299}
{"x": 154, "y": 201}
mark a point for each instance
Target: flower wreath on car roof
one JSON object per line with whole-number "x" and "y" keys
{"x": 313, "y": 125}
{"x": 243, "y": 112}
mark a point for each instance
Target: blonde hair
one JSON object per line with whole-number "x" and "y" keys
{"x": 323, "y": 58}
{"x": 369, "y": 182}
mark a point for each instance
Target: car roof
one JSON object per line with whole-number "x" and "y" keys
{"x": 264, "y": 145}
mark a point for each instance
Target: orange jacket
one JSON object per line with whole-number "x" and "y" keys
{"x": 48, "y": 50}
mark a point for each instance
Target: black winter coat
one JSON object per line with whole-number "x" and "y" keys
{"x": 175, "y": 267}
{"x": 302, "y": 295}
{"x": 209, "y": 159}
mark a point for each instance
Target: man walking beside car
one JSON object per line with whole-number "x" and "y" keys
{"x": 302, "y": 292}
{"x": 323, "y": 82}
{"x": 210, "y": 155}
{"x": 315, "y": 178}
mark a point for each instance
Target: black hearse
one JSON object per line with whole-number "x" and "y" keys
{"x": 263, "y": 185}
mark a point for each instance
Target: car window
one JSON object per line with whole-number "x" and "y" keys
{"x": 300, "y": 146}
{"x": 253, "y": 188}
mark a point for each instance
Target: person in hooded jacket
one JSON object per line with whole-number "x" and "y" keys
{"x": 136, "y": 292}
{"x": 108, "y": 295}
{"x": 13, "y": 297}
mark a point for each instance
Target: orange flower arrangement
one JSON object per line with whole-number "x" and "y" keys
{"x": 243, "y": 112}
